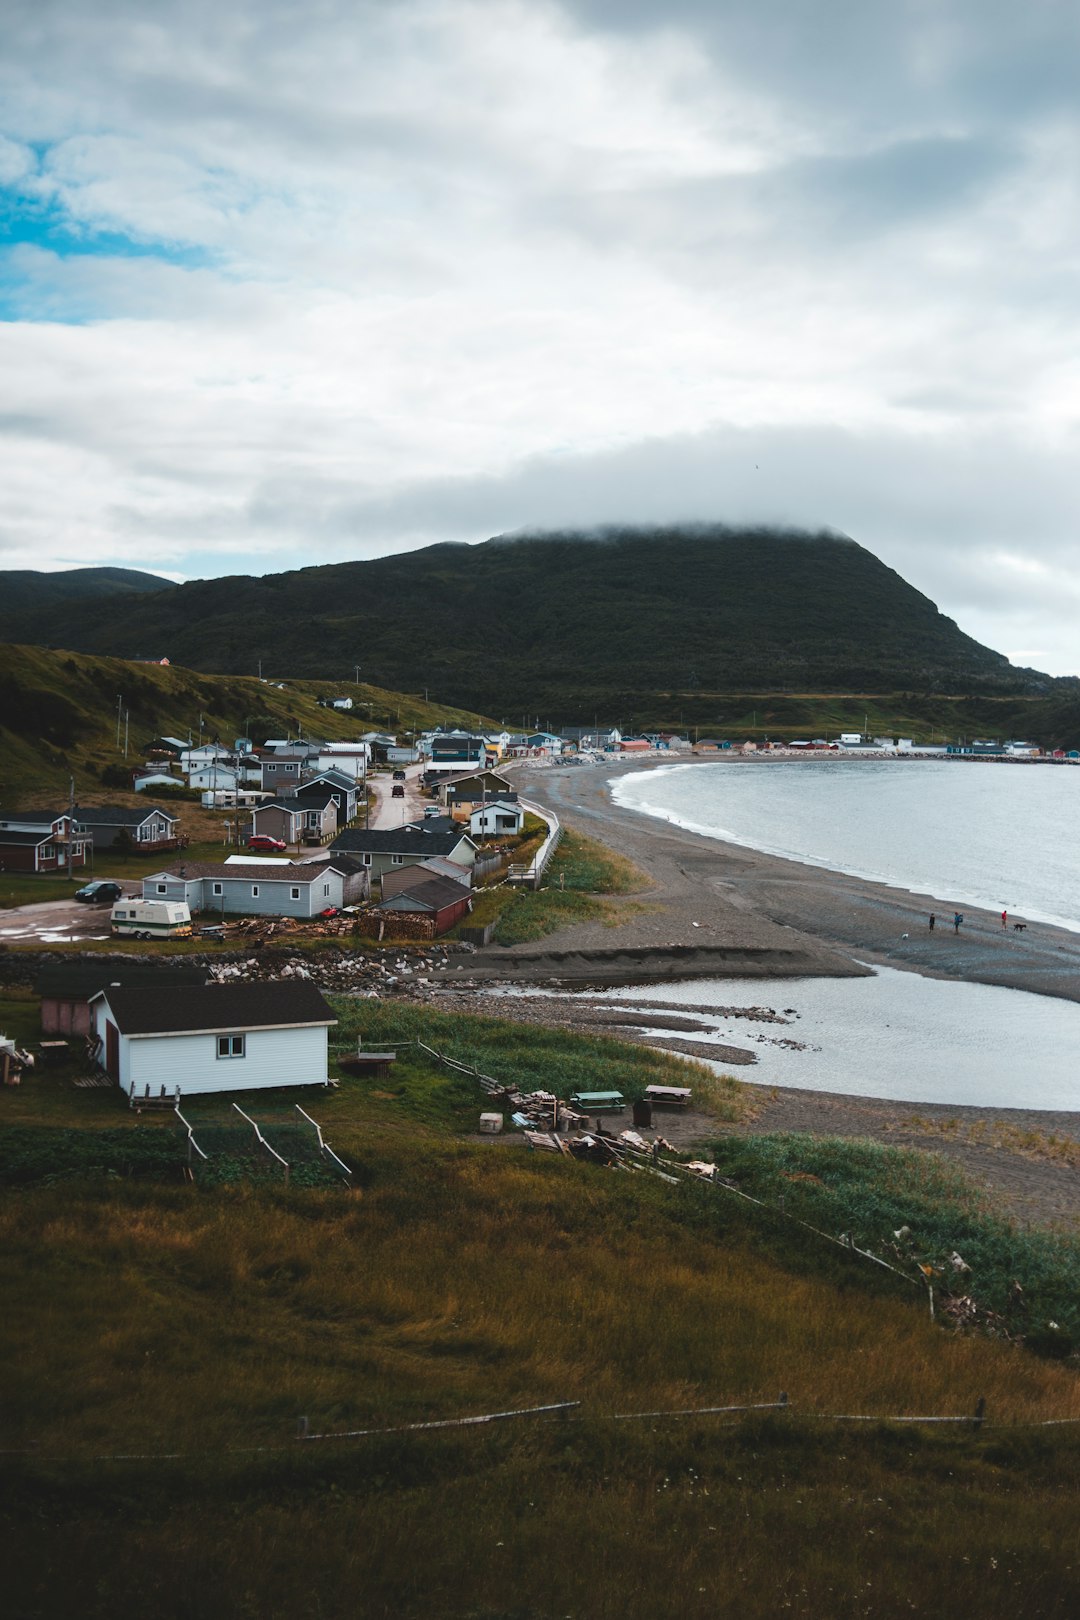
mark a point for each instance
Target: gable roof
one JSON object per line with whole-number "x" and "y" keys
{"x": 20, "y": 836}
{"x": 282, "y": 802}
{"x": 71, "y": 981}
{"x": 270, "y": 872}
{"x": 438, "y": 835}
{"x": 210, "y": 1008}
{"x": 119, "y": 815}
{"x": 431, "y": 894}
{"x": 335, "y": 778}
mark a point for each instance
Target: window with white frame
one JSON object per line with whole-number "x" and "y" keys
{"x": 254, "y": 891}
{"x": 367, "y": 860}
{"x": 326, "y": 888}
{"x": 397, "y": 860}
{"x": 230, "y": 1046}
{"x": 219, "y": 888}
{"x": 294, "y": 894}
{"x": 162, "y": 888}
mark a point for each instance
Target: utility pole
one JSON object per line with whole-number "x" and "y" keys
{"x": 127, "y": 722}
{"x": 119, "y": 705}
{"x": 260, "y": 669}
{"x": 356, "y": 671}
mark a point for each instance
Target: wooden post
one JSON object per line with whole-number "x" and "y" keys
{"x": 980, "y": 1410}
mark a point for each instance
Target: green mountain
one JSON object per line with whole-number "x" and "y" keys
{"x": 29, "y": 591}
{"x": 561, "y": 623}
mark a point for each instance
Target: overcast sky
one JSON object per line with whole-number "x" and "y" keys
{"x": 295, "y": 283}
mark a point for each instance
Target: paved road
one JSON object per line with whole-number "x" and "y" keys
{"x": 390, "y": 812}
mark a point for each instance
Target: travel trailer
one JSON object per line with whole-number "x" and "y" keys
{"x": 151, "y": 919}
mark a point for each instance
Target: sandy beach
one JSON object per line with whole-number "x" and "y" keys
{"x": 720, "y": 910}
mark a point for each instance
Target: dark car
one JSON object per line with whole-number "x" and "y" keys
{"x": 399, "y": 776}
{"x": 397, "y": 791}
{"x": 102, "y": 892}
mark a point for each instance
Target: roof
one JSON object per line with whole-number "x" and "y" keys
{"x": 190, "y": 1009}
{"x": 271, "y": 871}
{"x": 119, "y": 815}
{"x": 289, "y": 804}
{"x": 438, "y": 835}
{"x": 335, "y": 778}
{"x": 78, "y": 981}
{"x": 503, "y": 801}
{"x": 25, "y": 837}
{"x": 431, "y": 894}
{"x": 32, "y": 818}
{"x": 484, "y": 796}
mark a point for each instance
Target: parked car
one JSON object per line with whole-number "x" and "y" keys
{"x": 264, "y": 842}
{"x": 102, "y": 892}
{"x": 399, "y": 776}
{"x": 397, "y": 791}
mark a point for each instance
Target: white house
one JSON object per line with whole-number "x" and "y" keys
{"x": 194, "y": 1039}
{"x": 488, "y": 820}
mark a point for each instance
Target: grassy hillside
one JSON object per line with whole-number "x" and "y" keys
{"x": 553, "y": 624}
{"x": 162, "y": 1341}
{"x": 58, "y": 717}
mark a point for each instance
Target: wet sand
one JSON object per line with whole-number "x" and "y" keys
{"x": 719, "y": 910}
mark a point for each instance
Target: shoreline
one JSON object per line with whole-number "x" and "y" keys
{"x": 725, "y": 910}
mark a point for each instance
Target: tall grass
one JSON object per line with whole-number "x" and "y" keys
{"x": 463, "y": 1281}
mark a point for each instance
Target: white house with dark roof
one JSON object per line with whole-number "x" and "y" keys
{"x": 187, "y": 1041}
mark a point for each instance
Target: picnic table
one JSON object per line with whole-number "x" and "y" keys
{"x": 599, "y": 1102}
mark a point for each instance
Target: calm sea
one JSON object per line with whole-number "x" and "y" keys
{"x": 969, "y": 833}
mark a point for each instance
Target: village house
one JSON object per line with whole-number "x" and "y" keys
{"x": 383, "y": 849}
{"x": 149, "y": 829}
{"x": 41, "y": 841}
{"x": 264, "y": 888}
{"x": 463, "y": 792}
{"x": 456, "y": 751}
{"x": 281, "y": 818}
{"x": 181, "y": 1041}
{"x": 499, "y": 818}
{"x": 351, "y": 759}
{"x": 341, "y": 788}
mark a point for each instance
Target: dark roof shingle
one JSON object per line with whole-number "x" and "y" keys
{"x": 190, "y": 1010}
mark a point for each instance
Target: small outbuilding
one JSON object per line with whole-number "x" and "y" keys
{"x": 189, "y": 1041}
{"x": 499, "y": 818}
{"x": 437, "y": 904}
{"x": 66, "y": 988}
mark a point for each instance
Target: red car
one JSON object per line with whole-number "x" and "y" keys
{"x": 263, "y": 841}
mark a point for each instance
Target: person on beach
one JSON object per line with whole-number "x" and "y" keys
{"x": 956, "y": 921}
{"x": 1004, "y": 921}
{"x": 933, "y": 920}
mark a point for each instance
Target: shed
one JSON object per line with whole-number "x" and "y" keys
{"x": 218, "y": 1037}
{"x": 498, "y": 817}
{"x": 440, "y": 900}
{"x": 66, "y": 988}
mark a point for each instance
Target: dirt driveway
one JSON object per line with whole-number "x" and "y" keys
{"x": 54, "y": 920}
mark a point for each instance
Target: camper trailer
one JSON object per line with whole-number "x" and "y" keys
{"x": 151, "y": 919}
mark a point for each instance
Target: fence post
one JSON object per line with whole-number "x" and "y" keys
{"x": 980, "y": 1409}
{"x": 302, "y": 1427}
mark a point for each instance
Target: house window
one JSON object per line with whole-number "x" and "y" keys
{"x": 162, "y": 888}
{"x": 326, "y": 888}
{"x": 230, "y": 1046}
{"x": 367, "y": 860}
{"x": 294, "y": 894}
{"x": 219, "y": 888}
{"x": 291, "y": 769}
{"x": 254, "y": 891}
{"x": 397, "y": 860}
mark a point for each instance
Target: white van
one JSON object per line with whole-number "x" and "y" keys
{"x": 151, "y": 919}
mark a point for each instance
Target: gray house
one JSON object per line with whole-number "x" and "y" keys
{"x": 282, "y": 772}
{"x": 276, "y": 889}
{"x": 149, "y": 827}
{"x": 342, "y": 789}
{"x": 383, "y": 849}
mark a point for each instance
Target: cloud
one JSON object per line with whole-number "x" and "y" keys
{"x": 283, "y": 287}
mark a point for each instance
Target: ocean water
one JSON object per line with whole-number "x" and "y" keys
{"x": 895, "y": 1035}
{"x": 969, "y": 833}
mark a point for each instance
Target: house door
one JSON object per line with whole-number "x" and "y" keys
{"x": 112, "y": 1050}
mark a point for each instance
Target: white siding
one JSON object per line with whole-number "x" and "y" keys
{"x": 273, "y": 1057}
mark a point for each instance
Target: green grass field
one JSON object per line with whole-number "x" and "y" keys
{"x": 582, "y": 875}
{"x": 161, "y": 1340}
